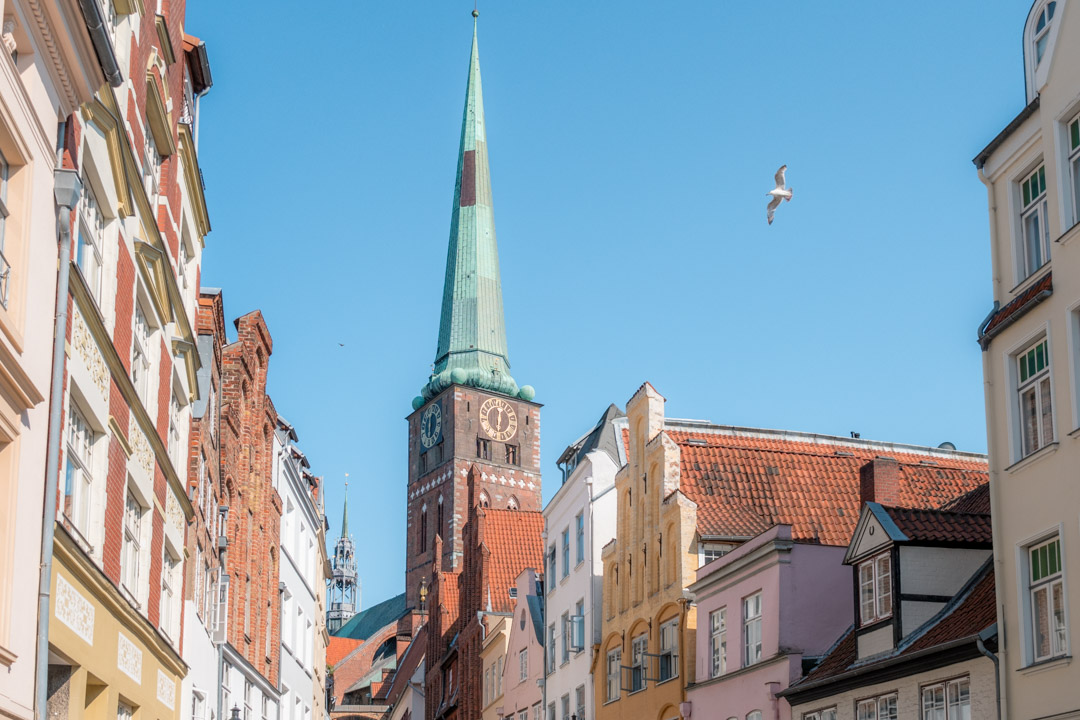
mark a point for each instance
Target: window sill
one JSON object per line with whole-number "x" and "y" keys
{"x": 1035, "y": 276}
{"x": 7, "y": 658}
{"x": 1075, "y": 433}
{"x": 1051, "y": 664}
{"x": 1043, "y": 452}
{"x": 663, "y": 682}
{"x": 612, "y": 700}
{"x": 1069, "y": 234}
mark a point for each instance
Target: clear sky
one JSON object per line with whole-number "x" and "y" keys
{"x": 631, "y": 148}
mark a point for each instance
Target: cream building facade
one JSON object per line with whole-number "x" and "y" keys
{"x": 493, "y": 661}
{"x": 1031, "y": 369}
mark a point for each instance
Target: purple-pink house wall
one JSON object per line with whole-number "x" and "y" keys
{"x": 523, "y": 694}
{"x": 806, "y": 604}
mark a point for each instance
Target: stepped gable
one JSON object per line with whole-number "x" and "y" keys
{"x": 745, "y": 480}
{"x": 514, "y": 540}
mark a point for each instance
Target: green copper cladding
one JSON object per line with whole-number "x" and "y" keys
{"x": 345, "y": 514}
{"x": 472, "y": 333}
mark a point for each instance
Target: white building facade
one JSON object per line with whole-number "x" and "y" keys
{"x": 301, "y": 573}
{"x": 578, "y": 521}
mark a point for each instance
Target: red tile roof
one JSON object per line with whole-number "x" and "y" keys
{"x": 745, "y": 481}
{"x": 942, "y": 526}
{"x": 513, "y": 537}
{"x": 339, "y": 647}
{"x": 975, "y": 501}
{"x": 1016, "y": 307}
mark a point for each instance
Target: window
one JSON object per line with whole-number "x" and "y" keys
{"x": 565, "y": 552}
{"x": 423, "y": 529}
{"x": 499, "y": 675}
{"x": 565, "y": 638}
{"x": 538, "y": 710}
{"x": 78, "y": 477}
{"x": 579, "y": 702}
{"x": 551, "y": 711}
{"x": 483, "y": 448}
{"x": 170, "y": 583}
{"x": 247, "y": 700}
{"x": 151, "y": 166}
{"x": 124, "y": 711}
{"x": 198, "y": 705}
{"x": 523, "y": 715}
{"x": 947, "y": 701}
{"x": 875, "y": 588}
{"x": 1042, "y": 30}
{"x": 752, "y": 628}
{"x": 266, "y": 708}
{"x": 551, "y": 648}
{"x": 579, "y": 536}
{"x": 1033, "y": 216}
{"x": 577, "y": 627}
{"x": 174, "y": 434}
{"x": 512, "y": 455}
{"x": 226, "y": 683}
{"x": 140, "y": 358}
{"x": 637, "y": 664}
{"x": 879, "y": 708}
{"x": 489, "y": 687}
{"x": 130, "y": 558}
{"x": 182, "y": 263}
{"x": 669, "y": 650}
{"x": 718, "y": 641}
{"x": 90, "y": 238}
{"x": 1036, "y": 403}
{"x": 707, "y": 552}
{"x": 1072, "y": 130}
{"x": 5, "y": 266}
{"x": 614, "y": 670}
{"x": 753, "y": 715}
{"x": 551, "y": 568}
{"x": 439, "y": 517}
{"x": 523, "y": 665}
{"x": 826, "y": 714}
{"x": 1047, "y": 589}
{"x": 566, "y": 707}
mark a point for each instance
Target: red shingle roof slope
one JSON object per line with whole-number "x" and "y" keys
{"x": 744, "y": 480}
{"x": 941, "y": 526}
{"x": 975, "y": 501}
{"x": 513, "y": 537}
{"x": 339, "y": 647}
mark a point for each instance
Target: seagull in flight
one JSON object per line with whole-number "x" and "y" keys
{"x": 780, "y": 192}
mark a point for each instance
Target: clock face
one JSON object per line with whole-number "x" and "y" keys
{"x": 431, "y": 425}
{"x": 498, "y": 419}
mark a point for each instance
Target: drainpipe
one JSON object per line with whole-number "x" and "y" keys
{"x": 989, "y": 632}
{"x": 66, "y": 189}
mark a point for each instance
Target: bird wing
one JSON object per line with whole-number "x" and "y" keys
{"x": 771, "y": 208}
{"x": 780, "y": 176}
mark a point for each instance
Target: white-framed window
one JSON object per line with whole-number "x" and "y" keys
{"x": 90, "y": 238}
{"x": 551, "y": 648}
{"x": 579, "y": 536}
{"x": 523, "y": 665}
{"x": 638, "y": 648}
{"x": 198, "y": 705}
{"x": 878, "y": 708}
{"x": 247, "y": 700}
{"x": 709, "y": 551}
{"x": 565, "y": 552}
{"x": 226, "y": 685}
{"x": 175, "y": 447}
{"x": 1046, "y": 587}
{"x": 614, "y": 672}
{"x": 170, "y": 585}
{"x": 950, "y": 700}
{"x": 1072, "y": 144}
{"x": 565, "y": 702}
{"x": 1034, "y": 397}
{"x": 1035, "y": 231}
{"x": 718, "y": 642}
{"x": 551, "y": 568}
{"x": 523, "y": 714}
{"x": 78, "y": 471}
{"x": 5, "y": 266}
{"x": 265, "y": 708}
{"x": 551, "y": 711}
{"x": 752, "y": 629}
{"x": 826, "y": 714}
{"x": 579, "y": 702}
{"x": 875, "y": 588}
{"x": 577, "y": 627}
{"x": 753, "y": 715}
{"x": 140, "y": 354}
{"x": 182, "y": 259}
{"x": 538, "y": 711}
{"x": 499, "y": 675}
{"x": 131, "y": 556}
{"x": 669, "y": 650}
{"x": 151, "y": 166}
{"x": 1041, "y": 35}
{"x": 124, "y": 711}
{"x": 565, "y": 637}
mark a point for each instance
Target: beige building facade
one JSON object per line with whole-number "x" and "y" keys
{"x": 1031, "y": 370}
{"x": 493, "y": 660}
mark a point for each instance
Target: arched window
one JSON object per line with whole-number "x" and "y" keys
{"x": 484, "y": 502}
{"x": 1041, "y": 34}
{"x": 512, "y": 503}
{"x": 423, "y": 528}
{"x": 439, "y": 518}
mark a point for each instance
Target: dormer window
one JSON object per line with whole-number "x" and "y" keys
{"x": 1044, "y": 20}
{"x": 875, "y": 589}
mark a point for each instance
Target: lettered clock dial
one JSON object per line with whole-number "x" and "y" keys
{"x": 498, "y": 419}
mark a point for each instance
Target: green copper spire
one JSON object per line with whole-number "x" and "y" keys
{"x": 345, "y": 510}
{"x": 472, "y": 333}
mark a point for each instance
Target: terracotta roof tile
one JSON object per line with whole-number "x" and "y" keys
{"x": 1018, "y": 304}
{"x": 339, "y": 647}
{"x": 746, "y": 481}
{"x": 513, "y": 537}
{"x": 975, "y": 501}
{"x": 942, "y": 526}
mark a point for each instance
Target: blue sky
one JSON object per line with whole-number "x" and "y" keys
{"x": 631, "y": 148}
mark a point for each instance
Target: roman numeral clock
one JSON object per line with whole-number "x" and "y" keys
{"x": 498, "y": 419}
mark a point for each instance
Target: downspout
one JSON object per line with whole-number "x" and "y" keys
{"x": 997, "y": 668}
{"x": 66, "y": 190}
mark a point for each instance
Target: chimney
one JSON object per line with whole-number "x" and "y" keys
{"x": 879, "y": 481}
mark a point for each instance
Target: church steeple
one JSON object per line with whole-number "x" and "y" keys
{"x": 472, "y": 333}
{"x": 345, "y": 510}
{"x": 343, "y": 586}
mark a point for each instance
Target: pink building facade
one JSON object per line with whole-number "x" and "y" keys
{"x": 522, "y": 694}
{"x": 762, "y": 608}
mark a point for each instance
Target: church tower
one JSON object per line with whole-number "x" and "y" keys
{"x": 471, "y": 412}
{"x": 343, "y": 585}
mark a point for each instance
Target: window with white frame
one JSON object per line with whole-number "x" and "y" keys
{"x": 151, "y": 166}
{"x": 614, "y": 672}
{"x": 265, "y": 708}
{"x": 878, "y": 708}
{"x": 174, "y": 433}
{"x": 1046, "y": 587}
{"x": 565, "y": 552}
{"x": 5, "y": 266}
{"x": 499, "y": 675}
{"x": 1041, "y": 35}
{"x": 182, "y": 263}
{"x": 1034, "y": 397}
{"x": 551, "y": 711}
{"x": 78, "y": 471}
{"x": 198, "y": 705}
{"x": 826, "y": 714}
{"x": 1072, "y": 132}
{"x": 638, "y": 648}
{"x": 875, "y": 588}
{"x": 753, "y": 715}
{"x": 170, "y": 584}
{"x": 565, "y": 637}
{"x": 523, "y": 715}
{"x": 949, "y": 700}
{"x": 124, "y": 711}
{"x": 90, "y": 239}
{"x": 551, "y": 648}
{"x": 709, "y": 551}
{"x": 577, "y": 627}
{"x": 551, "y": 568}
{"x": 140, "y": 354}
{"x": 579, "y": 535}
{"x": 247, "y": 700}
{"x": 718, "y": 642}
{"x": 131, "y": 556}
{"x": 226, "y": 685}
{"x": 579, "y": 702}
{"x": 669, "y": 650}
{"x": 1035, "y": 231}
{"x": 538, "y": 711}
{"x": 523, "y": 665}
{"x": 752, "y": 629}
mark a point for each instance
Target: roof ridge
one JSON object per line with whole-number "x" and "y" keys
{"x": 957, "y": 600}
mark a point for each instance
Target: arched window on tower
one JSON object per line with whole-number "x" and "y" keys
{"x": 512, "y": 503}
{"x": 484, "y": 502}
{"x": 1041, "y": 35}
{"x": 423, "y": 528}
{"x": 439, "y": 519}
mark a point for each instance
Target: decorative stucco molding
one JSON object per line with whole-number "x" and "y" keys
{"x": 74, "y": 610}
{"x": 88, "y": 350}
{"x": 140, "y": 446}
{"x": 166, "y": 690}
{"x": 129, "y": 658}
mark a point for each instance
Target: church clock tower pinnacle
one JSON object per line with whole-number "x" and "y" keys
{"x": 470, "y": 418}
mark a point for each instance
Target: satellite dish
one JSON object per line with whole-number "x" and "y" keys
{"x": 946, "y": 446}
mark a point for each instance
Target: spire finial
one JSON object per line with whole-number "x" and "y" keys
{"x": 345, "y": 510}
{"x": 475, "y": 12}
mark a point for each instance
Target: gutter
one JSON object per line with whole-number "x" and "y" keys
{"x": 1028, "y": 111}
{"x": 987, "y": 634}
{"x": 103, "y": 47}
{"x": 985, "y": 338}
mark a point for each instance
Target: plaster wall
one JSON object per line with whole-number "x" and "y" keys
{"x": 522, "y": 693}
{"x": 938, "y": 570}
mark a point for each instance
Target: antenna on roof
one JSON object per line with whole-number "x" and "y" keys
{"x": 855, "y": 435}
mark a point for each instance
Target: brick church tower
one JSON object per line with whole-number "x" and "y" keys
{"x": 471, "y": 413}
